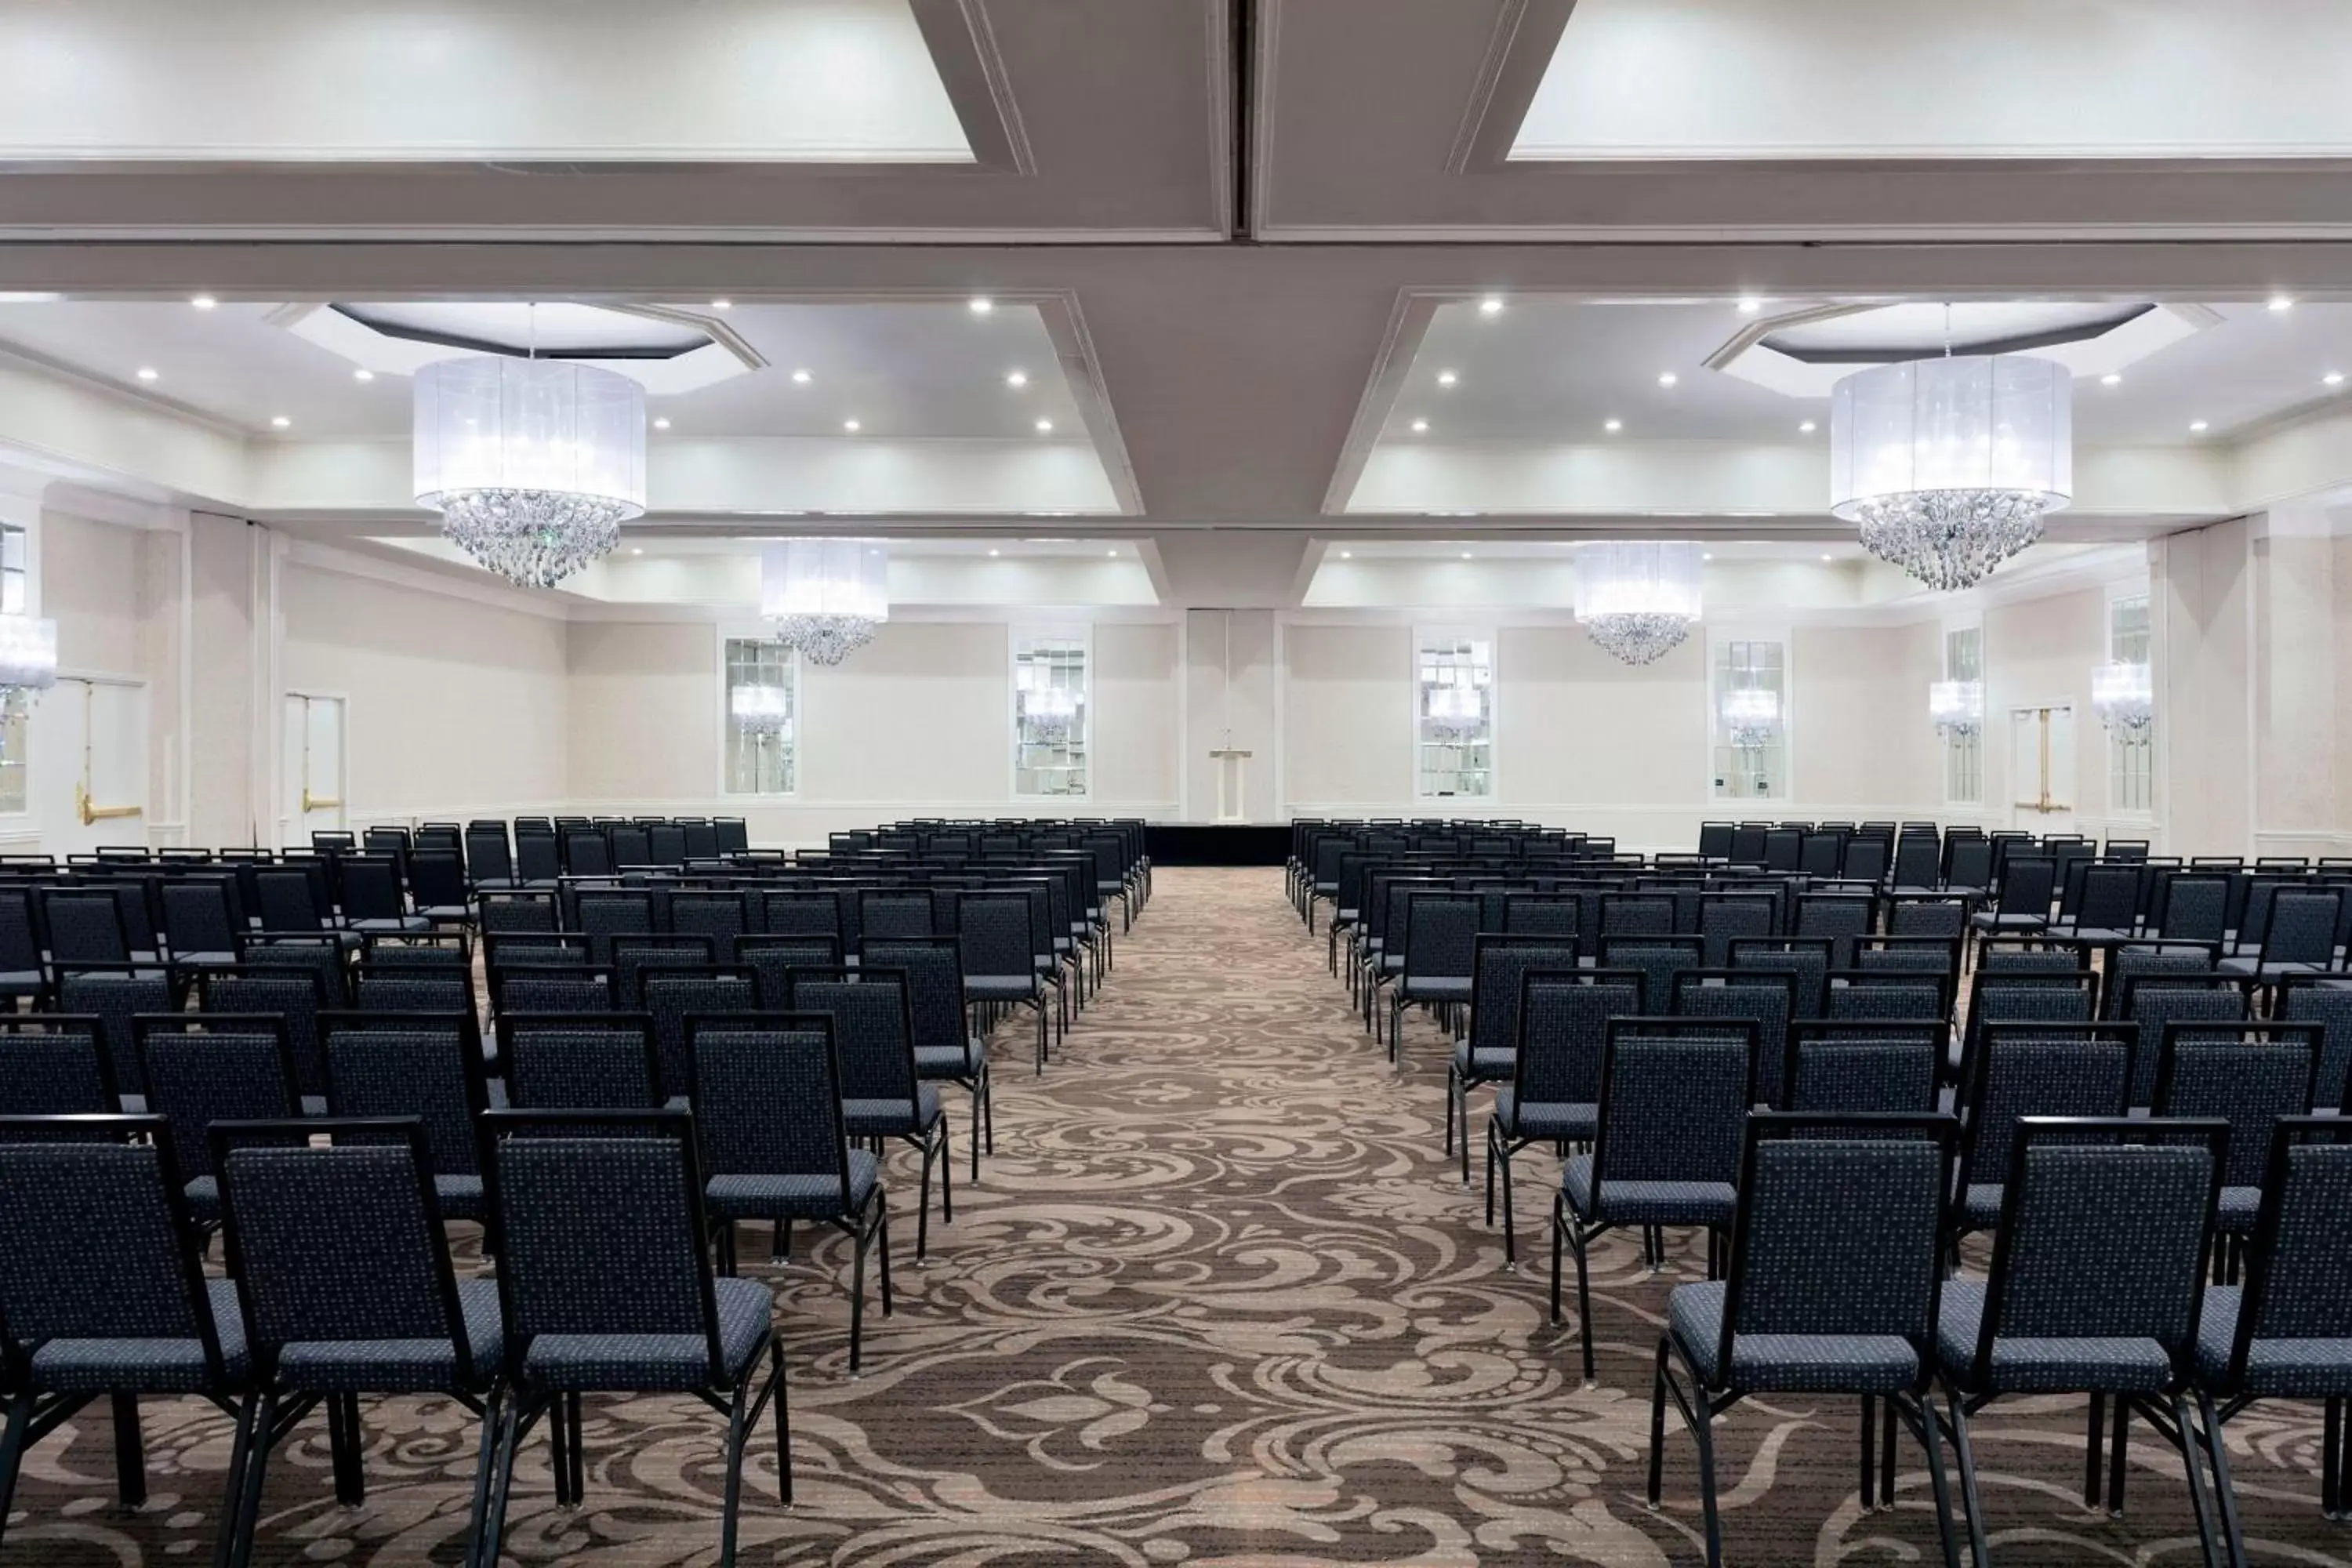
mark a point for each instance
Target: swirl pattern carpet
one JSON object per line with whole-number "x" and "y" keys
{"x": 1217, "y": 1300}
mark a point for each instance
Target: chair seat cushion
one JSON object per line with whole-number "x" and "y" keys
{"x": 1790, "y": 1363}
{"x": 794, "y": 1196}
{"x": 2252, "y": 964}
{"x": 1987, "y": 921}
{"x": 143, "y": 1366}
{"x": 951, "y": 1061}
{"x": 1553, "y": 1118}
{"x": 401, "y": 1366}
{"x": 1646, "y": 1203}
{"x": 2020, "y": 1365}
{"x": 2276, "y": 1368}
{"x": 2239, "y": 1206}
{"x": 1485, "y": 1065}
{"x": 460, "y": 1196}
{"x": 868, "y": 1118}
{"x": 1000, "y": 987}
{"x": 1434, "y": 988}
{"x": 1981, "y": 1205}
{"x": 204, "y": 1199}
{"x": 20, "y": 982}
{"x": 393, "y": 923}
{"x": 656, "y": 1362}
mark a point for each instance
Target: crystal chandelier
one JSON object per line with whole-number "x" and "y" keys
{"x": 1955, "y": 708}
{"x": 761, "y": 709}
{"x": 827, "y": 597}
{"x": 2125, "y": 697}
{"x": 29, "y": 658}
{"x": 1637, "y": 597}
{"x": 1948, "y": 465}
{"x": 1749, "y": 716}
{"x": 534, "y": 464}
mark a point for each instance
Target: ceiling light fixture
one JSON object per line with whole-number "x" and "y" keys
{"x": 2111, "y": 379}
{"x": 1707, "y": 555}
{"x": 1044, "y": 428}
{"x": 279, "y": 422}
{"x": 1466, "y": 555}
{"x": 1948, "y": 465}
{"x": 1446, "y": 378}
{"x": 1638, "y": 598}
{"x": 1828, "y": 558}
{"x": 827, "y": 596}
{"x": 1750, "y": 715}
{"x": 1667, "y": 378}
{"x": 2333, "y": 378}
{"x": 983, "y": 305}
{"x": 636, "y": 550}
{"x": 851, "y": 425}
{"x": 1492, "y": 305}
{"x": 802, "y": 378}
{"x": 2280, "y": 302}
{"x": 1112, "y": 553}
{"x": 1612, "y": 426}
{"x": 1420, "y": 427}
{"x": 534, "y": 464}
{"x": 146, "y": 373}
{"x": 1807, "y": 428}
{"x": 994, "y": 554}
{"x": 1750, "y": 304}
{"x": 722, "y": 304}
{"x": 2125, "y": 698}
{"x": 363, "y": 373}
{"x": 662, "y": 424}
{"x": 29, "y": 297}
{"x": 1347, "y": 555}
{"x": 2198, "y": 426}
{"x": 1017, "y": 378}
{"x": 204, "y": 301}
{"x": 1955, "y": 708}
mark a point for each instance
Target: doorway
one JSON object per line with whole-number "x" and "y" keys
{"x": 2041, "y": 766}
{"x": 310, "y": 794}
{"x": 90, "y": 766}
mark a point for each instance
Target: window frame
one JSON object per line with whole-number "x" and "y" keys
{"x": 1951, "y": 748}
{"x": 16, "y": 716}
{"x": 2129, "y": 761}
{"x": 1021, "y": 635}
{"x": 1476, "y": 636}
{"x": 1720, "y": 640}
{"x": 796, "y": 756}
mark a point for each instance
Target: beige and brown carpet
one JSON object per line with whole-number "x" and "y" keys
{"x": 1217, "y": 1300}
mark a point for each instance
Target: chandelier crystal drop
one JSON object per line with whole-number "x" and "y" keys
{"x": 1750, "y": 714}
{"x": 2124, "y": 696}
{"x": 1637, "y": 597}
{"x": 1456, "y": 711}
{"x": 1051, "y": 713}
{"x": 761, "y": 709}
{"x": 1955, "y": 708}
{"x": 1948, "y": 465}
{"x": 534, "y": 464}
{"x": 827, "y": 597}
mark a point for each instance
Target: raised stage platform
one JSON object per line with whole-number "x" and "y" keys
{"x": 1217, "y": 843}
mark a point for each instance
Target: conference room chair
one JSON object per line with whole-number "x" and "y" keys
{"x": 2021, "y": 1071}
{"x": 1487, "y": 1051}
{"x": 579, "y": 1061}
{"x": 672, "y": 997}
{"x": 219, "y": 1067}
{"x": 2156, "y": 1002}
{"x": 882, "y": 1095}
{"x": 422, "y": 1066}
{"x": 938, "y": 1016}
{"x": 2251, "y": 1076}
{"x": 54, "y": 1064}
{"x": 1864, "y": 1066}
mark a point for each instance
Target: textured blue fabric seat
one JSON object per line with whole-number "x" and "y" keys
{"x": 1793, "y": 1363}
{"x": 656, "y": 1362}
{"x": 1638, "y": 1202}
{"x": 1538, "y": 1121}
{"x": 951, "y": 1061}
{"x": 398, "y": 1366}
{"x": 143, "y": 1365}
{"x": 796, "y": 1196}
{"x": 2115, "y": 1364}
{"x": 870, "y": 1118}
{"x": 2276, "y": 1368}
{"x": 1483, "y": 1065}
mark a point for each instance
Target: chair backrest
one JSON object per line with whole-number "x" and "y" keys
{"x": 1865, "y": 858}
{"x": 446, "y": 953}
{"x": 371, "y": 887}
{"x": 587, "y": 852}
{"x": 673, "y": 996}
{"x": 717, "y": 914}
{"x": 85, "y": 927}
{"x": 1917, "y": 954}
{"x": 517, "y": 911}
{"x": 294, "y": 995}
{"x": 2251, "y": 1077}
{"x": 2110, "y": 896}
{"x": 2020, "y": 1071}
{"x": 2160, "y": 956}
{"x": 1715, "y": 840}
{"x": 1918, "y": 861}
{"x": 1673, "y": 1102}
{"x": 1760, "y": 997}
{"x": 1500, "y": 964}
{"x": 338, "y": 1242}
{"x": 115, "y": 996}
{"x": 1852, "y": 1068}
{"x": 1839, "y": 1229}
{"x": 994, "y": 932}
{"x": 2032, "y": 955}
{"x": 1918, "y": 995}
{"x": 427, "y": 1065}
{"x": 65, "y": 1185}
{"x": 771, "y": 958}
{"x": 57, "y": 1065}
{"x": 1636, "y": 915}
{"x": 1564, "y": 1029}
{"x": 1840, "y": 917}
{"x": 604, "y": 1061}
{"x": 198, "y": 916}
{"x": 1724, "y": 917}
{"x": 2303, "y": 927}
{"x": 604, "y": 914}
{"x": 286, "y": 900}
{"x": 766, "y": 1097}
{"x": 2070, "y": 997}
{"x": 807, "y": 912}
{"x": 1921, "y": 915}
{"x": 437, "y": 878}
{"x": 1968, "y": 861}
{"x": 2193, "y": 907}
{"x": 218, "y": 1069}
{"x": 935, "y": 999}
{"x": 872, "y": 1038}
{"x": 2156, "y": 1002}
{"x": 2103, "y": 1234}
{"x": 1543, "y": 914}
{"x": 532, "y": 988}
{"x": 2299, "y": 1267}
{"x": 597, "y": 1221}
{"x": 635, "y": 958}
{"x": 1658, "y": 959}
{"x": 2311, "y": 999}
{"x": 1807, "y": 958}
{"x": 537, "y": 948}
{"x": 488, "y": 856}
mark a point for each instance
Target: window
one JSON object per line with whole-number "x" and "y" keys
{"x": 1051, "y": 717}
{"x": 2130, "y": 760}
{"x": 761, "y": 717}
{"x": 15, "y": 714}
{"x": 1454, "y": 717}
{"x": 1751, "y": 730}
{"x": 1964, "y": 754}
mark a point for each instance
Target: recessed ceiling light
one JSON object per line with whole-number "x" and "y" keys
{"x": 363, "y": 373}
{"x": 146, "y": 373}
{"x": 995, "y": 553}
{"x": 2111, "y": 379}
{"x": 1420, "y": 427}
{"x": 1612, "y": 426}
{"x": 2333, "y": 378}
{"x": 1807, "y": 428}
{"x": 2197, "y": 427}
{"x": 851, "y": 425}
{"x": 1827, "y": 558}
{"x": 1750, "y": 304}
{"x": 1667, "y": 378}
{"x": 1466, "y": 555}
{"x": 722, "y": 304}
{"x": 204, "y": 301}
{"x": 1706, "y": 555}
{"x": 2280, "y": 302}
{"x": 662, "y": 424}
{"x": 1446, "y": 378}
{"x": 1044, "y": 428}
{"x": 636, "y": 550}
{"x": 279, "y": 422}
{"x": 1112, "y": 553}
{"x": 1347, "y": 555}
{"x": 1017, "y": 378}
{"x": 981, "y": 306}
{"x": 1492, "y": 305}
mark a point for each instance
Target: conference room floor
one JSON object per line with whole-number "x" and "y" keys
{"x": 1217, "y": 1298}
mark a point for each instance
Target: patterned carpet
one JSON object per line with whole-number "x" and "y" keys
{"x": 1218, "y": 1299}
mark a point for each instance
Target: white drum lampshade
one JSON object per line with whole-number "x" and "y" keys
{"x": 827, "y": 597}
{"x": 1638, "y": 597}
